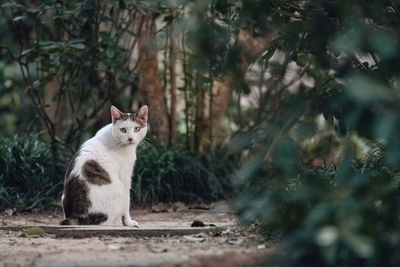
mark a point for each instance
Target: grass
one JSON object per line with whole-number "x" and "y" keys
{"x": 167, "y": 175}
{"x": 31, "y": 177}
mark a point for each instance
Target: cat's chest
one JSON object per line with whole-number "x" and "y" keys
{"x": 123, "y": 163}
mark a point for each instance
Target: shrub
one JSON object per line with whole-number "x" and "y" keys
{"x": 166, "y": 175}
{"x": 345, "y": 215}
{"x": 31, "y": 177}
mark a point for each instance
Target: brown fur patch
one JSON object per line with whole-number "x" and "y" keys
{"x": 76, "y": 202}
{"x": 94, "y": 173}
{"x": 128, "y": 116}
{"x": 140, "y": 122}
{"x": 132, "y": 117}
{"x": 93, "y": 218}
{"x": 97, "y": 218}
{"x": 123, "y": 220}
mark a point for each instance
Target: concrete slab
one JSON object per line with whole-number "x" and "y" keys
{"x": 145, "y": 230}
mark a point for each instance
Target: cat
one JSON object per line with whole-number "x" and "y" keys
{"x": 98, "y": 179}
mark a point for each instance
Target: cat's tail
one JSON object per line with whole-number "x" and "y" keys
{"x": 66, "y": 221}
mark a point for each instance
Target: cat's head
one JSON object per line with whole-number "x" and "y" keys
{"x": 129, "y": 128}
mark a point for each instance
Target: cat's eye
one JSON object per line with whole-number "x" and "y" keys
{"x": 137, "y": 129}
{"x": 123, "y": 130}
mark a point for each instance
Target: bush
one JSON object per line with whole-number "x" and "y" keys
{"x": 31, "y": 177}
{"x": 345, "y": 215}
{"x": 163, "y": 174}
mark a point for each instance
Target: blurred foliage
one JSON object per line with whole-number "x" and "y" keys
{"x": 330, "y": 215}
{"x": 342, "y": 211}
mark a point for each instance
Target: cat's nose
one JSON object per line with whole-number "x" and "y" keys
{"x": 130, "y": 140}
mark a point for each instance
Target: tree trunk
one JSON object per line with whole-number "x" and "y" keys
{"x": 199, "y": 139}
{"x": 172, "y": 73}
{"x": 52, "y": 106}
{"x": 150, "y": 84}
{"x": 221, "y": 96}
{"x": 252, "y": 47}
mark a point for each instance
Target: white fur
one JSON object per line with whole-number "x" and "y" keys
{"x": 115, "y": 154}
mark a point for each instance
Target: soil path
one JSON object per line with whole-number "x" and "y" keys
{"x": 232, "y": 246}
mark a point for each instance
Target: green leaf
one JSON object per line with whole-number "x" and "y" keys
{"x": 48, "y": 42}
{"x": 155, "y": 249}
{"x": 33, "y": 231}
{"x": 33, "y": 10}
{"x": 18, "y": 18}
{"x": 72, "y": 41}
{"x": 385, "y": 45}
{"x": 11, "y": 5}
{"x": 364, "y": 89}
{"x": 77, "y": 46}
{"x": 26, "y": 52}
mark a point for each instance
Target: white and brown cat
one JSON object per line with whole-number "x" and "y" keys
{"x": 98, "y": 179}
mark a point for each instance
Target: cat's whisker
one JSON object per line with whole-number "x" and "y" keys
{"x": 146, "y": 143}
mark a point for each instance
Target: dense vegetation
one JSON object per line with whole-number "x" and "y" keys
{"x": 32, "y": 178}
{"x": 295, "y": 103}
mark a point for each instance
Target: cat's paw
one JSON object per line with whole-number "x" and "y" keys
{"x": 132, "y": 223}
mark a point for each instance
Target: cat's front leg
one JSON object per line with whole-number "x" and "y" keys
{"x": 127, "y": 221}
{"x": 126, "y": 217}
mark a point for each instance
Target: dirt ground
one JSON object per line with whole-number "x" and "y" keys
{"x": 233, "y": 246}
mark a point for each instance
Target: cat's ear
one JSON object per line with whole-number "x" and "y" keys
{"x": 143, "y": 113}
{"x": 115, "y": 114}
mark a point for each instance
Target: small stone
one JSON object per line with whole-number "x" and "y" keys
{"x": 197, "y": 224}
{"x": 114, "y": 247}
{"x": 179, "y": 206}
{"x": 161, "y": 207}
{"x": 9, "y": 212}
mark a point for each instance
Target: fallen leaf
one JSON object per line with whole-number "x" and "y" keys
{"x": 235, "y": 241}
{"x": 33, "y": 231}
{"x": 193, "y": 239}
{"x": 156, "y": 249}
{"x": 160, "y": 207}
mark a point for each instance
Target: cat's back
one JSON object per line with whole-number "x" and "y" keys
{"x": 93, "y": 156}
{"x": 98, "y": 143}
